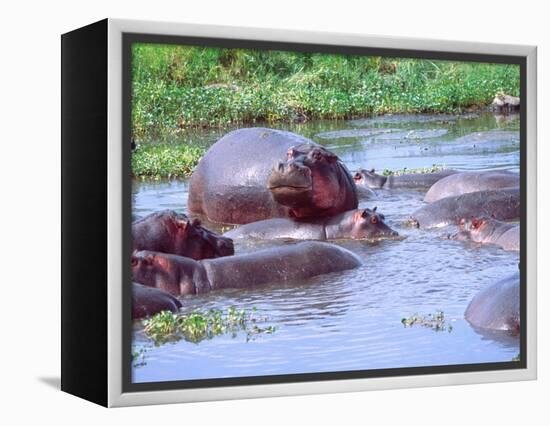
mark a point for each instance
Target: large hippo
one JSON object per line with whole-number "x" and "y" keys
{"x": 147, "y": 301}
{"x": 171, "y": 232}
{"x": 487, "y": 230}
{"x": 371, "y": 179}
{"x": 179, "y": 275}
{"x": 462, "y": 183}
{"x": 257, "y": 173}
{"x": 354, "y": 224}
{"x": 497, "y": 306}
{"x": 501, "y": 204}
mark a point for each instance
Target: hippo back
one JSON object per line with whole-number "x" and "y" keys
{"x": 229, "y": 183}
{"x": 497, "y": 306}
{"x": 466, "y": 182}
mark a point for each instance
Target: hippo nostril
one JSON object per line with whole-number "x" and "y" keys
{"x": 394, "y": 234}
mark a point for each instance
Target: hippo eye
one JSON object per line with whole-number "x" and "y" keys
{"x": 316, "y": 155}
{"x": 134, "y": 261}
{"x": 357, "y": 176}
{"x": 374, "y": 220}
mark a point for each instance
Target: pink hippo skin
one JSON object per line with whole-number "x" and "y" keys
{"x": 171, "y": 232}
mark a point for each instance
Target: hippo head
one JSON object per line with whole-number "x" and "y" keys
{"x": 312, "y": 182}
{"x": 473, "y": 228}
{"x": 158, "y": 270}
{"x": 368, "y": 224}
{"x": 197, "y": 242}
{"x": 369, "y": 178}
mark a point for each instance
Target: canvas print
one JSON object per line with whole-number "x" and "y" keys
{"x": 304, "y": 212}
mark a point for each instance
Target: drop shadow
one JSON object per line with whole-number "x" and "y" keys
{"x": 53, "y": 382}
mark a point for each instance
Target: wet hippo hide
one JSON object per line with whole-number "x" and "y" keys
{"x": 497, "y": 306}
{"x": 180, "y": 276}
{"x": 354, "y": 224}
{"x": 421, "y": 181}
{"x": 230, "y": 183}
{"x": 147, "y": 301}
{"x": 465, "y": 182}
{"x": 501, "y": 204}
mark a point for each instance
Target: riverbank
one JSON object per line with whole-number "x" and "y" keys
{"x": 176, "y": 88}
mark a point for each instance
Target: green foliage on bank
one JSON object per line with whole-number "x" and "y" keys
{"x": 163, "y": 160}
{"x": 176, "y": 87}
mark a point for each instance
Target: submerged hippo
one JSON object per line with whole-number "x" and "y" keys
{"x": 371, "y": 179}
{"x": 501, "y": 204}
{"x": 147, "y": 301}
{"x": 355, "y": 224}
{"x": 497, "y": 306}
{"x": 179, "y": 275}
{"x": 489, "y": 231}
{"x": 171, "y": 232}
{"x": 258, "y": 173}
{"x": 462, "y": 183}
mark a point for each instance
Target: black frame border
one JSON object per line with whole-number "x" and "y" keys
{"x": 130, "y": 38}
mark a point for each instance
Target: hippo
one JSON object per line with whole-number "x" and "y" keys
{"x": 258, "y": 173}
{"x": 501, "y": 204}
{"x": 371, "y": 179}
{"x": 497, "y": 306}
{"x": 354, "y": 224}
{"x": 147, "y": 301}
{"x": 487, "y": 230}
{"x": 180, "y": 276}
{"x": 465, "y": 182}
{"x": 171, "y": 232}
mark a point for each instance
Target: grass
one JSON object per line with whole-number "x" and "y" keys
{"x": 201, "y": 325}
{"x": 434, "y": 321}
{"x": 156, "y": 161}
{"x": 177, "y": 87}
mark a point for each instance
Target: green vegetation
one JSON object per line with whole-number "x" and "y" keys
{"x": 177, "y": 87}
{"x": 200, "y": 325}
{"x": 517, "y": 358}
{"x": 155, "y": 161}
{"x": 433, "y": 169}
{"x": 435, "y": 321}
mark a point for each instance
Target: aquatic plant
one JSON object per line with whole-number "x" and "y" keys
{"x": 517, "y": 358}
{"x": 138, "y": 356}
{"x": 199, "y": 325}
{"x": 433, "y": 169}
{"x": 434, "y": 321}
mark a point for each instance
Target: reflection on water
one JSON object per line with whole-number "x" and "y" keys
{"x": 352, "y": 320}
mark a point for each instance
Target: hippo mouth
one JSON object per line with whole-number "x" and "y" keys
{"x": 292, "y": 188}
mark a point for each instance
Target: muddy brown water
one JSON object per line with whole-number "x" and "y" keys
{"x": 352, "y": 320}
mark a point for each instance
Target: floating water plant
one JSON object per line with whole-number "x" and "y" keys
{"x": 434, "y": 321}
{"x": 433, "y": 169}
{"x": 201, "y": 325}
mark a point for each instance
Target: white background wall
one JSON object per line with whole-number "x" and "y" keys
{"x": 30, "y": 242}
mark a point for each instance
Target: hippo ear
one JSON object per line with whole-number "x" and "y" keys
{"x": 330, "y": 157}
{"x": 365, "y": 213}
{"x": 196, "y": 222}
{"x": 372, "y": 170}
{"x": 374, "y": 209}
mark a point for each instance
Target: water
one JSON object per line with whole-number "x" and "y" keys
{"x": 352, "y": 320}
